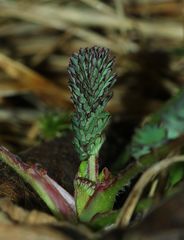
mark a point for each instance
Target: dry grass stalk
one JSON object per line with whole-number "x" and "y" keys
{"x": 32, "y": 81}
{"x": 131, "y": 202}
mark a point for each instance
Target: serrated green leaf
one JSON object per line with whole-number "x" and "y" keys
{"x": 149, "y": 135}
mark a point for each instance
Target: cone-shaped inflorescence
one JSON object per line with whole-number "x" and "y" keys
{"x": 91, "y": 79}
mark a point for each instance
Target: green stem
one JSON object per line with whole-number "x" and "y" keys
{"x": 93, "y": 168}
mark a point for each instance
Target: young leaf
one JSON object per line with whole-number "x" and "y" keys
{"x": 100, "y": 201}
{"x": 148, "y": 137}
{"x": 58, "y": 200}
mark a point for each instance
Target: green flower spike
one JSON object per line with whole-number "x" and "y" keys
{"x": 91, "y": 79}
